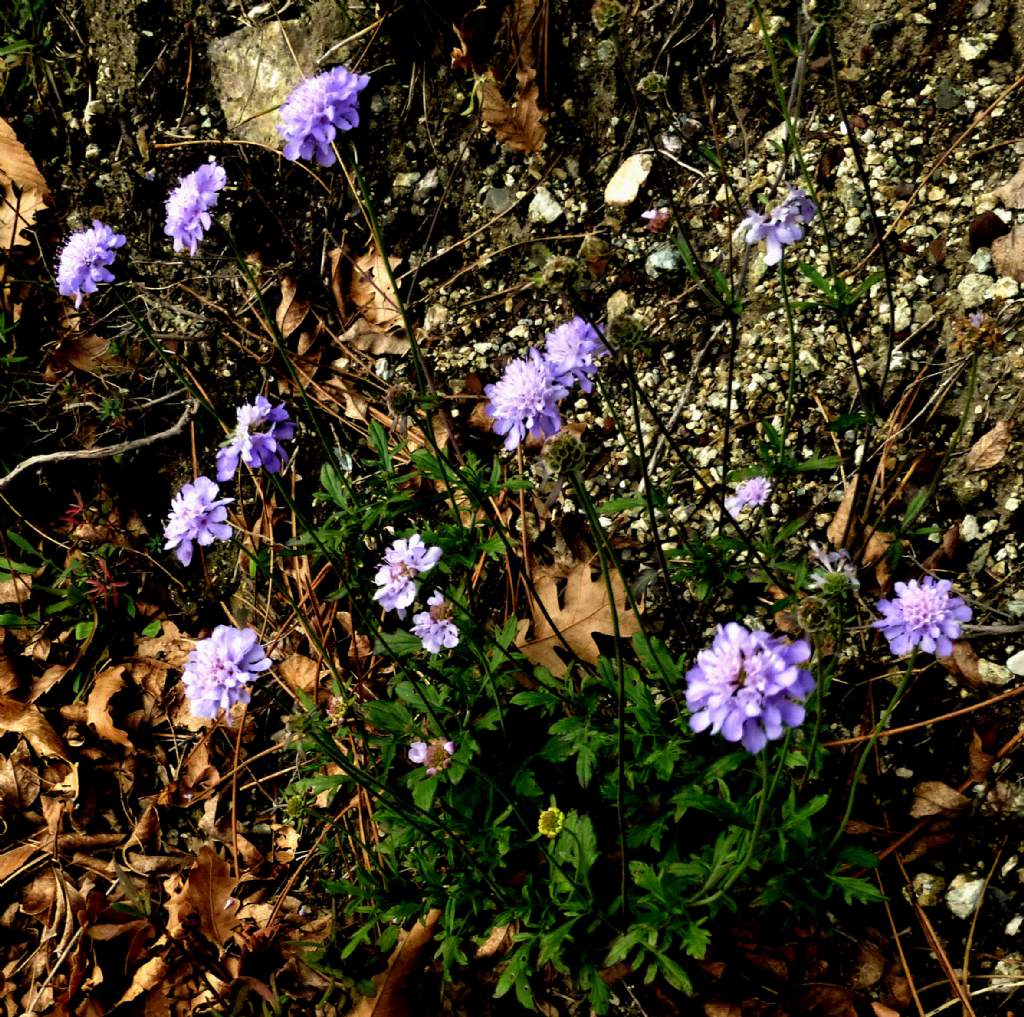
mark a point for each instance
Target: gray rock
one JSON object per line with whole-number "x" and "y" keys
{"x": 498, "y": 199}
{"x": 1016, "y": 663}
{"x": 663, "y": 260}
{"x": 927, "y": 889}
{"x": 429, "y": 183}
{"x": 964, "y": 893}
{"x": 972, "y": 289}
{"x": 543, "y": 207}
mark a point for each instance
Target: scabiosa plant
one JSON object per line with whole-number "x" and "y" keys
{"x": 86, "y": 259}
{"x": 316, "y": 109}
{"x": 256, "y": 440}
{"x": 403, "y": 561}
{"x": 220, "y": 668}
{"x": 197, "y": 516}
{"x": 435, "y": 627}
{"x": 836, "y": 573}
{"x": 434, "y": 755}
{"x": 922, "y": 615}
{"x": 751, "y": 493}
{"x": 570, "y": 351}
{"x": 525, "y": 400}
{"x": 783, "y": 225}
{"x": 188, "y": 205}
{"x": 748, "y": 686}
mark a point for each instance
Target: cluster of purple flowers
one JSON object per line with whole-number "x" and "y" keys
{"x": 752, "y": 493}
{"x": 525, "y": 400}
{"x": 197, "y": 514}
{"x": 396, "y": 583}
{"x": 316, "y": 110}
{"x": 783, "y": 225}
{"x": 189, "y": 204}
{"x": 922, "y": 615}
{"x": 220, "y": 668}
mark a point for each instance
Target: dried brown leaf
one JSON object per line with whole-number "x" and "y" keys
{"x": 1011, "y": 194}
{"x": 991, "y": 447}
{"x": 292, "y": 309}
{"x": 583, "y": 610}
{"x": 15, "y": 590}
{"x": 837, "y": 529}
{"x": 367, "y": 338}
{"x": 868, "y": 967}
{"x": 23, "y": 190}
{"x": 206, "y": 894}
{"x": 817, "y": 999}
{"x": 881, "y": 1010}
{"x": 520, "y": 127}
{"x": 149, "y": 976}
{"x": 981, "y": 762}
{"x": 14, "y": 860}
{"x": 107, "y": 684}
{"x": 393, "y": 997}
{"x": 371, "y": 290}
{"x": 1008, "y": 254}
{"x": 27, "y": 721}
{"x": 932, "y": 797}
{"x": 301, "y": 673}
{"x": 964, "y": 663}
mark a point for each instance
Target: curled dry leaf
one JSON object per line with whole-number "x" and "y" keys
{"x": 15, "y": 590}
{"x": 301, "y": 673}
{"x": 292, "y": 309}
{"x": 371, "y": 290}
{"x": 981, "y": 762}
{"x": 520, "y": 127}
{"x": 23, "y": 190}
{"x": 583, "y": 610}
{"x": 27, "y": 721}
{"x": 97, "y": 706}
{"x": 991, "y": 447}
{"x": 881, "y": 1010}
{"x": 367, "y": 338}
{"x": 1008, "y": 254}
{"x": 206, "y": 893}
{"x": 1011, "y": 194}
{"x": 932, "y": 797}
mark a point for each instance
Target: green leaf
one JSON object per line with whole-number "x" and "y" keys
{"x": 423, "y": 791}
{"x": 153, "y": 629}
{"x": 397, "y": 644}
{"x": 856, "y": 890}
{"x": 616, "y": 505}
{"x": 388, "y": 716}
{"x": 674, "y": 974}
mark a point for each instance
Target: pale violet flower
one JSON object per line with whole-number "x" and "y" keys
{"x": 435, "y": 755}
{"x": 256, "y": 440}
{"x": 657, "y": 218}
{"x": 922, "y": 615}
{"x": 220, "y": 668}
{"x": 188, "y": 205}
{"x": 836, "y": 572}
{"x": 525, "y": 400}
{"x": 316, "y": 109}
{"x": 571, "y": 351}
{"x": 86, "y": 259}
{"x": 782, "y": 226}
{"x": 396, "y": 577}
{"x": 435, "y": 627}
{"x": 197, "y": 516}
{"x": 751, "y": 493}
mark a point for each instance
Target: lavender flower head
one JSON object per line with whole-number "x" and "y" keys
{"x": 751, "y": 493}
{"x": 783, "y": 225}
{"x": 748, "y": 687}
{"x": 403, "y": 561}
{"x": 434, "y": 755}
{"x": 256, "y": 440}
{"x": 435, "y": 627}
{"x": 525, "y": 400}
{"x": 219, "y": 669}
{"x": 922, "y": 615}
{"x": 836, "y": 572}
{"x": 657, "y": 219}
{"x": 189, "y": 204}
{"x": 316, "y": 109}
{"x": 197, "y": 515}
{"x": 86, "y": 260}
{"x": 570, "y": 351}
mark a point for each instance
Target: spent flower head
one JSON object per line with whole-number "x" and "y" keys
{"x": 657, "y": 219}
{"x": 435, "y": 755}
{"x": 86, "y": 259}
{"x": 748, "y": 686}
{"x": 403, "y": 561}
{"x": 570, "y": 351}
{"x": 220, "y": 668}
{"x": 197, "y": 515}
{"x": 316, "y": 109}
{"x": 836, "y": 573}
{"x": 524, "y": 401}
{"x": 435, "y": 627}
{"x": 188, "y": 205}
{"x": 752, "y": 493}
{"x": 256, "y": 440}
{"x": 922, "y": 615}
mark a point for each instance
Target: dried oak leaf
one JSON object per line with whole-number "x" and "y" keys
{"x": 15, "y": 590}
{"x": 367, "y": 338}
{"x": 393, "y": 998}
{"x": 932, "y": 797}
{"x": 991, "y": 447}
{"x": 520, "y": 127}
{"x": 27, "y": 721}
{"x": 301, "y": 673}
{"x": 371, "y": 290}
{"x": 206, "y": 893}
{"x": 23, "y": 190}
{"x": 97, "y": 706}
{"x": 583, "y": 610}
{"x": 292, "y": 309}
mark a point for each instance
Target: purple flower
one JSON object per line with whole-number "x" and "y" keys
{"x": 434, "y": 755}
{"x": 525, "y": 400}
{"x": 435, "y": 627}
{"x": 922, "y": 614}
{"x": 403, "y": 561}
{"x": 219, "y": 669}
{"x": 316, "y": 109}
{"x": 837, "y": 572}
{"x": 751, "y": 493}
{"x": 657, "y": 218}
{"x": 256, "y": 439}
{"x": 196, "y": 515}
{"x": 783, "y": 225}
{"x": 748, "y": 686}
{"x": 189, "y": 204}
{"x": 570, "y": 351}
{"x": 85, "y": 260}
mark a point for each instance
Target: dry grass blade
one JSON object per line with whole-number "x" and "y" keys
{"x": 393, "y": 999}
{"x": 583, "y": 610}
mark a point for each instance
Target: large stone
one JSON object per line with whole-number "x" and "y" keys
{"x": 627, "y": 180}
